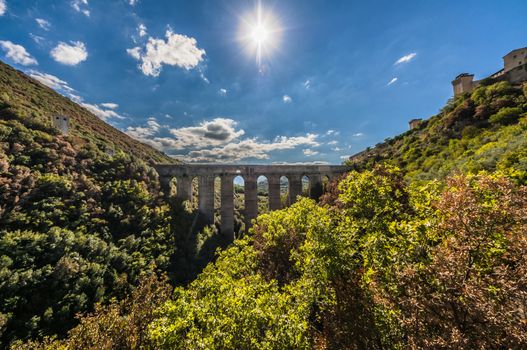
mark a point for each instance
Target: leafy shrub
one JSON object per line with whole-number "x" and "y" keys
{"x": 506, "y": 115}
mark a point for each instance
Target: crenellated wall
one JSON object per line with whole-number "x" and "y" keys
{"x": 206, "y": 173}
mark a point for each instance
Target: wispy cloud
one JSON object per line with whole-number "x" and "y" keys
{"x": 178, "y": 50}
{"x": 141, "y": 30}
{"x": 81, "y": 6}
{"x": 406, "y": 58}
{"x": 392, "y": 81}
{"x": 70, "y": 54}
{"x": 110, "y": 105}
{"x": 287, "y": 99}
{"x": 308, "y": 152}
{"x": 17, "y": 53}
{"x": 222, "y": 92}
{"x": 52, "y": 82}
{"x": 307, "y": 84}
{"x": 42, "y": 23}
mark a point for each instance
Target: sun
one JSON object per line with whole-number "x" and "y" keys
{"x": 260, "y": 33}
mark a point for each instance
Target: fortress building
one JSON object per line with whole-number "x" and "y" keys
{"x": 514, "y": 71}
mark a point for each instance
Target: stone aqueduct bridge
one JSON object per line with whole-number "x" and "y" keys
{"x": 207, "y": 173}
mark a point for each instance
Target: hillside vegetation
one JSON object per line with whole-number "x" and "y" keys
{"x": 482, "y": 130}
{"x": 390, "y": 258}
{"x": 24, "y": 97}
{"x": 78, "y": 225}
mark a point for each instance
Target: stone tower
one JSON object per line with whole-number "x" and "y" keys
{"x": 62, "y": 123}
{"x": 463, "y": 83}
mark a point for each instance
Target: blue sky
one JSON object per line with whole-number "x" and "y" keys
{"x": 179, "y": 75}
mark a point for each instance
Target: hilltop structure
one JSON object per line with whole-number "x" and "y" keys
{"x": 414, "y": 123}
{"x": 62, "y": 123}
{"x": 514, "y": 71}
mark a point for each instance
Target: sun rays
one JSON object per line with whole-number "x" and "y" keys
{"x": 260, "y": 33}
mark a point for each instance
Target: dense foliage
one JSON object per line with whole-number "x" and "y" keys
{"x": 482, "y": 130}
{"x": 379, "y": 265}
{"x": 80, "y": 220}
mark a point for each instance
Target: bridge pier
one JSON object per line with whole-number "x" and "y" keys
{"x": 315, "y": 186}
{"x": 274, "y": 192}
{"x": 165, "y": 184}
{"x": 206, "y": 198}
{"x": 251, "y": 200}
{"x": 295, "y": 187}
{"x": 227, "y": 206}
{"x": 184, "y": 188}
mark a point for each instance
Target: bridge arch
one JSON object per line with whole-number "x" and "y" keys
{"x": 262, "y": 187}
{"x": 199, "y": 183}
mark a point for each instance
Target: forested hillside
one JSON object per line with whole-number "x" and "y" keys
{"x": 482, "y": 130}
{"x": 24, "y": 97}
{"x": 81, "y": 217}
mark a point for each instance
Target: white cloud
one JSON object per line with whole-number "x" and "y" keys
{"x": 307, "y": 84}
{"x": 51, "y": 81}
{"x": 287, "y": 99}
{"x": 406, "y": 58}
{"x": 135, "y": 52}
{"x": 42, "y": 23}
{"x": 144, "y": 132}
{"x": 223, "y": 92}
{"x": 178, "y": 50}
{"x": 218, "y": 139}
{"x": 70, "y": 54}
{"x": 392, "y": 81}
{"x": 81, "y": 6}
{"x": 133, "y": 2}
{"x": 3, "y": 7}
{"x": 359, "y": 134}
{"x": 17, "y": 53}
{"x": 100, "y": 111}
{"x": 110, "y": 105}
{"x": 336, "y": 149}
{"x": 309, "y": 152}
{"x": 332, "y": 132}
{"x": 334, "y": 142}
{"x": 141, "y": 29}
{"x": 345, "y": 157}
{"x": 248, "y": 148}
